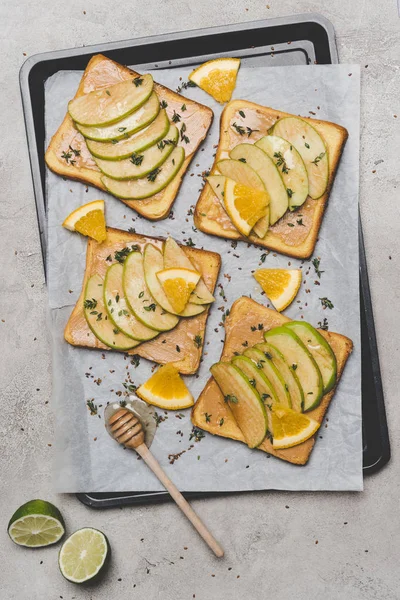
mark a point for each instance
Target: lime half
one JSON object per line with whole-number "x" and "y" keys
{"x": 36, "y": 524}
{"x": 84, "y": 555}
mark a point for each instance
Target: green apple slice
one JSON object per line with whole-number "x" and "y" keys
{"x": 154, "y": 182}
{"x": 300, "y": 360}
{"x": 107, "y": 106}
{"x": 270, "y": 176}
{"x": 290, "y": 165}
{"x": 97, "y": 318}
{"x": 244, "y": 401}
{"x": 289, "y": 376}
{"x": 126, "y": 127}
{"x": 320, "y": 350}
{"x": 312, "y": 149}
{"x": 217, "y": 183}
{"x": 153, "y": 262}
{"x": 243, "y": 173}
{"x": 264, "y": 363}
{"x": 139, "y": 299}
{"x": 140, "y": 164}
{"x": 153, "y": 133}
{"x": 174, "y": 256}
{"x": 117, "y": 308}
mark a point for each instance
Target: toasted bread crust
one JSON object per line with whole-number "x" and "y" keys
{"x": 335, "y": 137}
{"x": 102, "y": 72}
{"x": 244, "y": 313}
{"x": 187, "y": 359}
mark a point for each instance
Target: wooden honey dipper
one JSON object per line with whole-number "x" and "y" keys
{"x": 127, "y": 429}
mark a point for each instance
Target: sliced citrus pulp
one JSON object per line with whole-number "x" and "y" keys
{"x": 244, "y": 205}
{"x": 88, "y": 220}
{"x": 178, "y": 284}
{"x": 166, "y": 389}
{"x": 84, "y": 555}
{"x": 35, "y": 524}
{"x": 280, "y": 285}
{"x": 217, "y": 77}
{"x": 290, "y": 427}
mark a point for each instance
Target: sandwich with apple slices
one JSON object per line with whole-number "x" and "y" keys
{"x": 274, "y": 382}
{"x": 145, "y": 296}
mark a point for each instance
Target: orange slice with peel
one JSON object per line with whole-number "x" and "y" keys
{"x": 88, "y": 220}
{"x": 244, "y": 205}
{"x": 178, "y": 284}
{"x": 289, "y": 427}
{"x": 217, "y": 77}
{"x": 280, "y": 285}
{"x": 166, "y": 389}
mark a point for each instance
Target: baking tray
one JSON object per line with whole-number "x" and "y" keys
{"x": 296, "y": 40}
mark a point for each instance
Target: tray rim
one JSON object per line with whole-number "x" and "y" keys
{"x": 35, "y": 59}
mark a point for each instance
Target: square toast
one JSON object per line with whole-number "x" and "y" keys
{"x": 244, "y": 314}
{"x": 295, "y": 241}
{"x": 163, "y": 348}
{"x": 101, "y": 72}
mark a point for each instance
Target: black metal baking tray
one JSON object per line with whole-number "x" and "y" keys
{"x": 301, "y": 39}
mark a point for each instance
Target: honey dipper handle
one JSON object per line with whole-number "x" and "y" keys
{"x": 185, "y": 507}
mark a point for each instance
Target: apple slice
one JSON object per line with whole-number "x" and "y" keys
{"x": 241, "y": 172}
{"x": 320, "y": 350}
{"x": 117, "y": 308}
{"x": 217, "y": 183}
{"x": 312, "y": 149}
{"x": 258, "y": 380}
{"x": 289, "y": 376}
{"x": 126, "y": 127}
{"x": 264, "y": 363}
{"x": 107, "y": 106}
{"x": 290, "y": 165}
{"x": 244, "y": 402}
{"x": 174, "y": 256}
{"x": 97, "y": 318}
{"x": 140, "y": 164}
{"x": 153, "y": 262}
{"x": 138, "y": 189}
{"x": 142, "y": 140}
{"x": 139, "y": 299}
{"x": 270, "y": 176}
{"x": 300, "y": 360}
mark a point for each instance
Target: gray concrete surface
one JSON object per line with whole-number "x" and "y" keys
{"x": 278, "y": 545}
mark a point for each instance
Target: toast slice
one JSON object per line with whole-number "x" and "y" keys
{"x": 176, "y": 346}
{"x": 244, "y": 314}
{"x": 297, "y": 241}
{"x": 102, "y": 72}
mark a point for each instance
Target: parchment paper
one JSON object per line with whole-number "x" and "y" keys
{"x": 87, "y": 458}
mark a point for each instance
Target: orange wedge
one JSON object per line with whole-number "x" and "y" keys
{"x": 244, "y": 205}
{"x": 217, "y": 77}
{"x": 290, "y": 428}
{"x": 178, "y": 284}
{"x": 280, "y": 285}
{"x": 166, "y": 389}
{"x": 88, "y": 220}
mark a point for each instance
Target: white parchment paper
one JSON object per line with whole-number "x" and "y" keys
{"x": 88, "y": 459}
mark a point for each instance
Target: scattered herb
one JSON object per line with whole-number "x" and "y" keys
{"x": 163, "y": 104}
{"x": 198, "y": 340}
{"x": 207, "y": 417}
{"x": 92, "y": 407}
{"x": 121, "y": 129}
{"x": 67, "y": 157}
{"x": 176, "y": 117}
{"x": 151, "y": 307}
{"x": 294, "y": 366}
{"x": 122, "y": 403}
{"x": 185, "y": 85}
{"x": 184, "y": 138}
{"x": 196, "y": 434}
{"x": 269, "y": 436}
{"x": 268, "y": 355}
{"x": 281, "y": 162}
{"x": 243, "y": 160}
{"x": 109, "y": 258}
{"x": 177, "y": 348}
{"x": 300, "y": 222}
{"x": 221, "y": 421}
{"x": 135, "y": 360}
{"x": 75, "y": 151}
{"x": 324, "y": 325}
{"x": 131, "y": 230}
{"x": 241, "y": 130}
{"x": 316, "y": 263}
{"x": 245, "y": 343}
{"x": 259, "y": 364}
{"x": 306, "y": 145}
{"x": 183, "y": 107}
{"x": 241, "y": 113}
{"x": 108, "y": 93}
{"x": 161, "y": 145}
{"x": 116, "y": 331}
{"x": 190, "y": 243}
{"x": 250, "y": 131}
{"x": 265, "y": 396}
{"x": 290, "y": 224}
{"x": 120, "y": 255}
{"x": 289, "y": 192}
{"x": 138, "y": 81}
{"x": 263, "y": 257}
{"x": 318, "y": 158}
{"x": 117, "y": 298}
{"x": 137, "y": 159}
{"x": 326, "y": 303}
{"x": 141, "y": 295}
{"x": 231, "y": 398}
{"x": 225, "y": 314}
{"x": 252, "y": 382}
{"x": 153, "y": 174}
{"x": 91, "y": 304}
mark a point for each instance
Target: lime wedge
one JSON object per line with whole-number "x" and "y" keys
{"x": 36, "y": 524}
{"x": 84, "y": 555}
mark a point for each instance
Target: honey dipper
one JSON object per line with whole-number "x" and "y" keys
{"x": 126, "y": 428}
